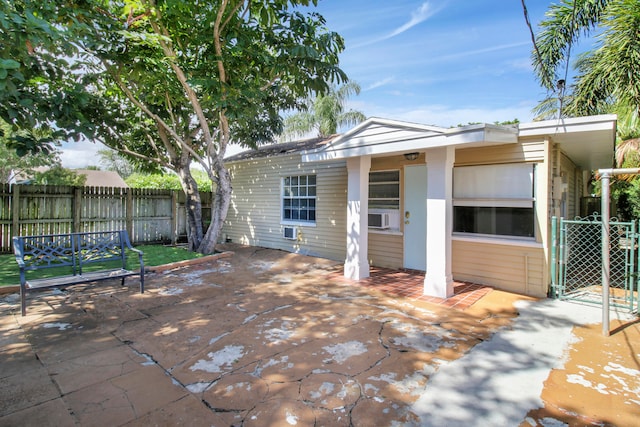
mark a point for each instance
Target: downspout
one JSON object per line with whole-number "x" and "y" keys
{"x": 557, "y": 198}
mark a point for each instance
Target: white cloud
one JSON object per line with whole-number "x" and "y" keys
{"x": 521, "y": 64}
{"x": 380, "y": 83}
{"x": 78, "y": 155}
{"x": 424, "y": 12}
{"x": 418, "y": 16}
{"x": 468, "y": 53}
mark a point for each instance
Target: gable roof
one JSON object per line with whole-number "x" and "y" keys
{"x": 281, "y": 149}
{"x": 588, "y": 141}
{"x": 381, "y": 137}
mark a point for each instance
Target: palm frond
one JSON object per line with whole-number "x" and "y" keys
{"x": 565, "y": 22}
{"x": 298, "y": 125}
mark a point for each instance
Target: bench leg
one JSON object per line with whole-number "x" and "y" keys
{"x": 122, "y": 282}
{"x": 23, "y": 302}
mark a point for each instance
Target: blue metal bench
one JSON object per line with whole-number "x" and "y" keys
{"x": 73, "y": 254}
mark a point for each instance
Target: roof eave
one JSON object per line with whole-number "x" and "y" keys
{"x": 468, "y": 136}
{"x": 588, "y": 141}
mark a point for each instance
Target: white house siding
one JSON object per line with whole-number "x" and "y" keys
{"x": 254, "y": 216}
{"x": 521, "y": 269}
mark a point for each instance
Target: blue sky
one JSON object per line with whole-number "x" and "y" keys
{"x": 437, "y": 62}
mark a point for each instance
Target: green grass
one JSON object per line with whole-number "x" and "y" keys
{"x": 154, "y": 255}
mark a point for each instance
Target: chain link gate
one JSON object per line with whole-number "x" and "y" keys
{"x": 577, "y": 269}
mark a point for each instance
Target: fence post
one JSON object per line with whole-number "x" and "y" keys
{"x": 606, "y": 268}
{"x": 554, "y": 256}
{"x": 631, "y": 270}
{"x": 129, "y": 213}
{"x": 76, "y": 203}
{"x": 15, "y": 210}
{"x": 174, "y": 216}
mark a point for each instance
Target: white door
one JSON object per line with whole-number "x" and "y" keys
{"x": 415, "y": 217}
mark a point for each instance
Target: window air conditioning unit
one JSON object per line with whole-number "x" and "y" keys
{"x": 379, "y": 220}
{"x": 290, "y": 233}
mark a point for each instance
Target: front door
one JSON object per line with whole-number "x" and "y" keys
{"x": 415, "y": 217}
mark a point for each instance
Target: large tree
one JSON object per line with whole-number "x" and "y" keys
{"x": 174, "y": 82}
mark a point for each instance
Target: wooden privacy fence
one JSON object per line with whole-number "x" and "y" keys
{"x": 149, "y": 216}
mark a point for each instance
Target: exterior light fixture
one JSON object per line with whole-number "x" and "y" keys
{"x": 411, "y": 156}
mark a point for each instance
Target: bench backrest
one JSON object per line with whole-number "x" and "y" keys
{"x": 45, "y": 251}
{"x": 100, "y": 246}
{"x": 73, "y": 249}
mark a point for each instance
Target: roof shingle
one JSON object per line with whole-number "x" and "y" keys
{"x": 281, "y": 149}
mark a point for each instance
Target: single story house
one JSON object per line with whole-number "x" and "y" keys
{"x": 471, "y": 203}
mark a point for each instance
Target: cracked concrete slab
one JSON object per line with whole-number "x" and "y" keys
{"x": 267, "y": 338}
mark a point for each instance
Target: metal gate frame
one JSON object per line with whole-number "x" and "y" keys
{"x": 576, "y": 261}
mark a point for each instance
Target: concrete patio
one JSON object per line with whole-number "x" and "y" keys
{"x": 259, "y": 337}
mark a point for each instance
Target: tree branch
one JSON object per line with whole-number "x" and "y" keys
{"x": 170, "y": 54}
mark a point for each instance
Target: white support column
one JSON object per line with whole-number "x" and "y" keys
{"x": 356, "y": 265}
{"x": 438, "y": 281}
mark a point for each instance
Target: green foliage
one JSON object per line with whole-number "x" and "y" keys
{"x": 13, "y": 166}
{"x": 507, "y": 122}
{"x": 606, "y": 80}
{"x": 115, "y": 162}
{"x": 165, "y": 82}
{"x": 499, "y": 123}
{"x": 166, "y": 181}
{"x": 324, "y": 114}
{"x": 112, "y": 70}
{"x": 627, "y": 197}
{"x": 42, "y": 95}
{"x": 58, "y": 175}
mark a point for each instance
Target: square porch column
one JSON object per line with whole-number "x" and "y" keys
{"x": 356, "y": 265}
{"x": 438, "y": 281}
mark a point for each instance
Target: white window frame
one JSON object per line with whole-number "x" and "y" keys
{"x": 393, "y": 212}
{"x": 384, "y": 183}
{"x": 283, "y": 196}
{"x": 510, "y": 185}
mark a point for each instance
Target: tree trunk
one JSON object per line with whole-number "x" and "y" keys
{"x": 193, "y": 207}
{"x": 219, "y": 210}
